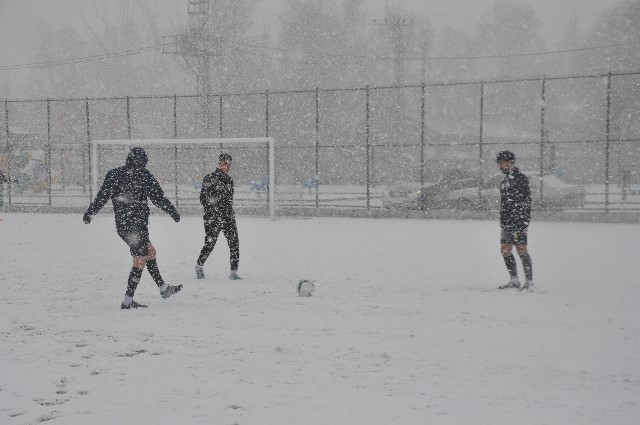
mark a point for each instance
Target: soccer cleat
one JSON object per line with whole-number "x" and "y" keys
{"x": 170, "y": 291}
{"x": 199, "y": 271}
{"x": 132, "y": 305}
{"x": 513, "y": 283}
{"x": 528, "y": 286}
{"x": 234, "y": 275}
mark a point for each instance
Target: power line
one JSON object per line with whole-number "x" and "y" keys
{"x": 83, "y": 59}
{"x": 495, "y": 56}
{"x": 551, "y": 52}
{"x": 130, "y": 52}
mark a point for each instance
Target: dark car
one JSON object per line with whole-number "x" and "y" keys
{"x": 431, "y": 195}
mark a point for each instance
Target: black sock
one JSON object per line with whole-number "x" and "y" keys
{"x": 528, "y": 266}
{"x": 152, "y": 266}
{"x": 510, "y": 262}
{"x": 134, "y": 278}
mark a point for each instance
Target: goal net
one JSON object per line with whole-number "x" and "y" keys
{"x": 179, "y": 165}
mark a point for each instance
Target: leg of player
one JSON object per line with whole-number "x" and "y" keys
{"x": 212, "y": 230}
{"x": 152, "y": 266}
{"x": 132, "y": 284}
{"x": 231, "y": 234}
{"x": 136, "y": 241}
{"x": 139, "y": 263}
{"x": 527, "y": 264}
{"x": 510, "y": 262}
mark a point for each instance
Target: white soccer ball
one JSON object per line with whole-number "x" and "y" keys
{"x": 306, "y": 288}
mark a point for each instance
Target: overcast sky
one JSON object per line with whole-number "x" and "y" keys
{"x": 18, "y": 17}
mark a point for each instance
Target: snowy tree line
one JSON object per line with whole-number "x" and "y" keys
{"x": 322, "y": 43}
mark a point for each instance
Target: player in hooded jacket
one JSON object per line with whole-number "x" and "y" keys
{"x": 128, "y": 188}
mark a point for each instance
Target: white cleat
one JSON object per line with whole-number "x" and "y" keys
{"x": 528, "y": 286}
{"x": 199, "y": 271}
{"x": 513, "y": 283}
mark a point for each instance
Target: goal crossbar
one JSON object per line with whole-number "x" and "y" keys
{"x": 176, "y": 142}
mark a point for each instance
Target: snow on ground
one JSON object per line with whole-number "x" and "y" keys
{"x": 405, "y": 327}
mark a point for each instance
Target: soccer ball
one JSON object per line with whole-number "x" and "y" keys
{"x": 305, "y": 288}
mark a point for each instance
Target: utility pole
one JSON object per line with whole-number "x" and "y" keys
{"x": 397, "y": 25}
{"x": 424, "y": 61}
{"x": 197, "y": 46}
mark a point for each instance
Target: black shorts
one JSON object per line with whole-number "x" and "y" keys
{"x": 514, "y": 235}
{"x": 137, "y": 239}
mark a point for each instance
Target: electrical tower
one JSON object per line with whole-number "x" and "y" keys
{"x": 397, "y": 25}
{"x": 197, "y": 46}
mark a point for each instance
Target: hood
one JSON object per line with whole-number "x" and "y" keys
{"x": 137, "y": 158}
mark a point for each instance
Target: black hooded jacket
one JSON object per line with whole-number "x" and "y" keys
{"x": 128, "y": 187}
{"x": 515, "y": 200}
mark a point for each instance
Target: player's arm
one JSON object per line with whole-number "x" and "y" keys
{"x": 527, "y": 200}
{"x": 204, "y": 190}
{"x": 156, "y": 194}
{"x": 524, "y": 200}
{"x": 525, "y": 191}
{"x": 102, "y": 197}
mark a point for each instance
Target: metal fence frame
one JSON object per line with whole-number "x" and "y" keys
{"x": 316, "y": 93}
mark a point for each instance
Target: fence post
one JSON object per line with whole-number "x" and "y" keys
{"x": 481, "y": 140}
{"x": 175, "y": 147}
{"x": 266, "y": 134}
{"x": 317, "y": 165}
{"x": 47, "y": 158}
{"x": 542, "y": 139}
{"x": 128, "y": 120}
{"x": 367, "y": 147}
{"x": 9, "y": 155}
{"x": 607, "y": 145}
{"x": 221, "y": 132}
{"x": 266, "y": 114}
{"x": 84, "y": 171}
{"x": 422, "y": 137}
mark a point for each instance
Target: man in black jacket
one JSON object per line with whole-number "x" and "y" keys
{"x": 515, "y": 215}
{"x": 216, "y": 196}
{"x": 128, "y": 187}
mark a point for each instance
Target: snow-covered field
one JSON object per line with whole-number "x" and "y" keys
{"x": 405, "y": 327}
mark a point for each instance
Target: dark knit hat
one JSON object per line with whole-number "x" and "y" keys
{"x": 224, "y": 157}
{"x": 505, "y": 156}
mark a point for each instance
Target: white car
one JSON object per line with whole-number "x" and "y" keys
{"x": 557, "y": 194}
{"x": 403, "y": 196}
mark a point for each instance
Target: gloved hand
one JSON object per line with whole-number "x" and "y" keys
{"x": 175, "y": 216}
{"x": 86, "y": 218}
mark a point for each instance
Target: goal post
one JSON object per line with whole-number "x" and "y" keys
{"x": 177, "y": 144}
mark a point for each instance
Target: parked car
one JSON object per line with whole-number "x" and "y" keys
{"x": 557, "y": 194}
{"x": 403, "y": 196}
{"x": 433, "y": 194}
{"x": 460, "y": 189}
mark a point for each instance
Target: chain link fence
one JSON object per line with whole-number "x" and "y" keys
{"x": 346, "y": 148}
